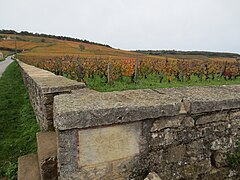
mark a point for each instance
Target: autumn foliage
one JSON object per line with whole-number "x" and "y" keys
{"x": 79, "y": 68}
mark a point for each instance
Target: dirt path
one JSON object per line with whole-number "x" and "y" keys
{"x": 4, "y": 64}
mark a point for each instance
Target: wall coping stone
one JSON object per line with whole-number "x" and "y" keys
{"x": 49, "y": 82}
{"x": 86, "y": 108}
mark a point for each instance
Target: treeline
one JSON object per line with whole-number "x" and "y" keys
{"x": 10, "y": 49}
{"x": 203, "y": 53}
{"x": 50, "y": 36}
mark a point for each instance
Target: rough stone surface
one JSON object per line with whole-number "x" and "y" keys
{"x": 193, "y": 170}
{"x": 42, "y": 87}
{"x": 135, "y": 105}
{"x": 108, "y": 143}
{"x": 152, "y": 176}
{"x": 207, "y": 99}
{"x": 47, "y": 155}
{"x": 167, "y": 123}
{"x": 219, "y": 159}
{"x": 212, "y": 118}
{"x": 28, "y": 167}
{"x": 178, "y": 149}
{"x": 115, "y": 107}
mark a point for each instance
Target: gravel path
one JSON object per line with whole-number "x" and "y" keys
{"x": 4, "y": 64}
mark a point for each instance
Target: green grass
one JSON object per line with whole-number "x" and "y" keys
{"x": 99, "y": 84}
{"x": 234, "y": 158}
{"x": 18, "y": 125}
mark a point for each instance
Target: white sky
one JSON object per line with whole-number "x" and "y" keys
{"x": 212, "y": 25}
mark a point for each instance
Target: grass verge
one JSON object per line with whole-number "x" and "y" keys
{"x": 152, "y": 82}
{"x": 18, "y": 125}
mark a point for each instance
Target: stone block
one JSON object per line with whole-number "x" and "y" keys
{"x": 123, "y": 167}
{"x": 42, "y": 86}
{"x": 235, "y": 127}
{"x": 108, "y": 143}
{"x": 193, "y": 170}
{"x": 156, "y": 156}
{"x": 28, "y": 167}
{"x": 213, "y": 131}
{"x": 212, "y": 118}
{"x": 188, "y": 121}
{"x": 175, "y": 154}
{"x": 48, "y": 99}
{"x": 235, "y": 115}
{"x": 216, "y": 174}
{"x": 152, "y": 176}
{"x": 48, "y": 112}
{"x": 115, "y": 107}
{"x": 100, "y": 171}
{"x": 185, "y": 107}
{"x": 219, "y": 159}
{"x": 197, "y": 151}
{"x": 223, "y": 143}
{"x": 167, "y": 122}
{"x": 47, "y": 155}
{"x": 166, "y": 137}
{"x": 186, "y": 135}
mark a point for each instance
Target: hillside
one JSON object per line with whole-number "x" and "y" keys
{"x": 190, "y": 55}
{"x": 40, "y": 47}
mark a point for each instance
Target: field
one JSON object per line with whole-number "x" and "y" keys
{"x": 104, "y": 68}
{"x": 18, "y": 123}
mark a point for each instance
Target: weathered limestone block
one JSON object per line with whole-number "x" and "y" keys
{"x": 47, "y": 155}
{"x": 234, "y": 115}
{"x": 48, "y": 99}
{"x": 214, "y": 130}
{"x": 188, "y": 121}
{"x": 167, "y": 137}
{"x": 48, "y": 112}
{"x": 207, "y": 99}
{"x": 235, "y": 123}
{"x": 212, "y": 118}
{"x": 219, "y": 159}
{"x": 224, "y": 143}
{"x": 115, "y": 107}
{"x": 164, "y": 170}
{"x": 99, "y": 153}
{"x": 101, "y": 171}
{"x": 28, "y": 168}
{"x": 197, "y": 150}
{"x": 216, "y": 174}
{"x": 171, "y": 122}
{"x": 185, "y": 107}
{"x": 175, "y": 154}
{"x": 108, "y": 143}
{"x": 156, "y": 156}
{"x": 152, "y": 176}
{"x": 194, "y": 170}
{"x": 43, "y": 86}
{"x": 186, "y": 135}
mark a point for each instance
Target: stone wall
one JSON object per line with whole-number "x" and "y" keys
{"x": 42, "y": 87}
{"x": 177, "y": 133}
{"x": 181, "y": 133}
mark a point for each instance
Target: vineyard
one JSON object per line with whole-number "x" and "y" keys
{"x": 105, "y": 69}
{"x": 102, "y": 71}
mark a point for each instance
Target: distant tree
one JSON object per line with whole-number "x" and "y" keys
{"x": 82, "y": 47}
{"x": 3, "y": 31}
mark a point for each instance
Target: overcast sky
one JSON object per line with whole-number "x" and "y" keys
{"x": 212, "y": 25}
